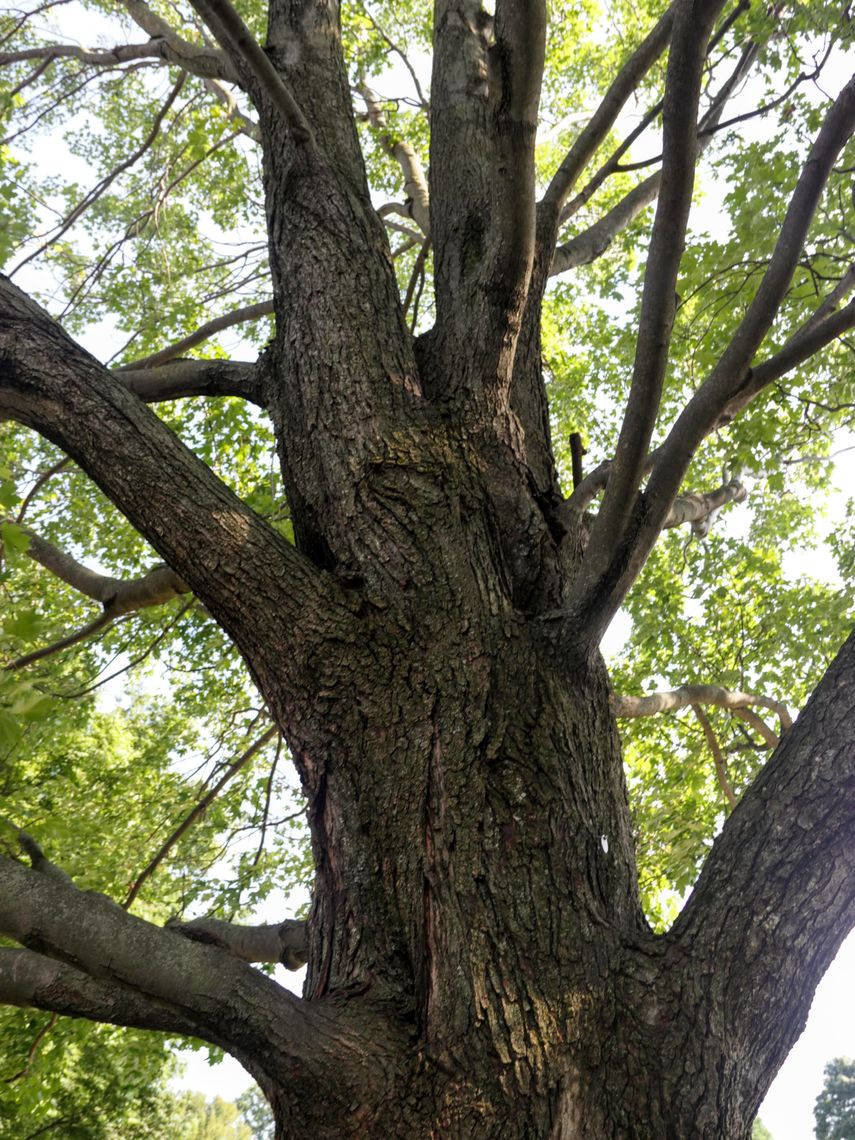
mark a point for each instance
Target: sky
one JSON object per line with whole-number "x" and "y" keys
{"x": 830, "y": 1031}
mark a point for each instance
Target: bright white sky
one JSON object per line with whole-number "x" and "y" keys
{"x": 830, "y": 1031}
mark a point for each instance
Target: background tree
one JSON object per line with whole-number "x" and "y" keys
{"x": 380, "y": 542}
{"x": 760, "y": 1131}
{"x": 835, "y": 1105}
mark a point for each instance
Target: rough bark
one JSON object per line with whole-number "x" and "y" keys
{"x": 478, "y": 962}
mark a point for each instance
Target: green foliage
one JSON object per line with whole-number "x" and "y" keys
{"x": 178, "y": 237}
{"x": 199, "y": 1119}
{"x": 83, "y": 1081}
{"x": 257, "y": 1113}
{"x": 835, "y": 1106}
{"x": 760, "y": 1131}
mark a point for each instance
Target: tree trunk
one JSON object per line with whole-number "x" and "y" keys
{"x": 479, "y": 964}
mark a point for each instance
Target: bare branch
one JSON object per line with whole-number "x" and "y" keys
{"x": 601, "y": 122}
{"x": 197, "y": 812}
{"x": 732, "y": 374}
{"x": 44, "y": 477}
{"x": 225, "y": 96}
{"x": 718, "y": 758}
{"x": 700, "y": 508}
{"x": 686, "y": 695}
{"x": 181, "y": 378}
{"x": 208, "y": 329}
{"x": 235, "y": 38}
{"x": 415, "y": 182}
{"x": 117, "y": 595}
{"x": 805, "y": 343}
{"x": 770, "y": 738}
{"x": 205, "y": 62}
{"x": 282, "y": 942}
{"x": 692, "y": 27}
{"x": 86, "y": 631}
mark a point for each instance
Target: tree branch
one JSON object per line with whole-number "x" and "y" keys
{"x": 208, "y": 329}
{"x": 280, "y": 942}
{"x": 814, "y": 335}
{"x": 104, "y": 184}
{"x": 603, "y": 119}
{"x": 731, "y": 699}
{"x": 235, "y": 38}
{"x": 515, "y": 72}
{"x": 718, "y": 758}
{"x": 732, "y": 374}
{"x": 770, "y": 739}
{"x": 34, "y": 981}
{"x": 206, "y": 64}
{"x": 774, "y": 900}
{"x": 176, "y": 50}
{"x": 700, "y": 508}
{"x": 122, "y": 969}
{"x": 117, "y": 595}
{"x": 459, "y": 170}
{"x": 593, "y": 242}
{"x": 196, "y": 812}
{"x": 692, "y": 27}
{"x": 415, "y": 182}
{"x": 239, "y": 567}
{"x": 181, "y": 378}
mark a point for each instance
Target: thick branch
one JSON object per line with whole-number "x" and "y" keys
{"x": 686, "y": 695}
{"x": 234, "y": 563}
{"x": 692, "y": 28}
{"x": 515, "y": 70}
{"x": 236, "y": 39}
{"x": 731, "y": 374}
{"x": 809, "y": 339}
{"x": 198, "y": 988}
{"x": 775, "y": 899}
{"x": 33, "y": 981}
{"x": 415, "y": 182}
{"x": 204, "y": 61}
{"x": 460, "y": 165}
{"x": 282, "y": 942}
{"x": 180, "y": 378}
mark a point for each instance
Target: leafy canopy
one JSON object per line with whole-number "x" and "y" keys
{"x": 153, "y": 224}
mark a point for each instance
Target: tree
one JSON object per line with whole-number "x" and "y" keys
{"x": 835, "y": 1105}
{"x": 256, "y": 1112}
{"x": 420, "y": 601}
{"x": 760, "y": 1131}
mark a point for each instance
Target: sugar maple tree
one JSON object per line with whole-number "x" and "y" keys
{"x": 420, "y": 588}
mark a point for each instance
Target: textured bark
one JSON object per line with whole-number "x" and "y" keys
{"x": 478, "y": 962}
